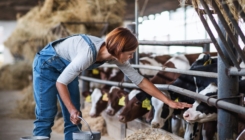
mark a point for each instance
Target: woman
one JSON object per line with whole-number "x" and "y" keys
{"x": 57, "y": 66}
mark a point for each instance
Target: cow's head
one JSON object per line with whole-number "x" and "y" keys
{"x": 160, "y": 112}
{"x": 99, "y": 102}
{"x": 136, "y": 105}
{"x": 201, "y": 112}
{"x": 150, "y": 62}
{"x": 115, "y": 94}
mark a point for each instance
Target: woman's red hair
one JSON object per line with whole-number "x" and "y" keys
{"x": 120, "y": 40}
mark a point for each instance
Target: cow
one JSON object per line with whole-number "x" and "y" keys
{"x": 136, "y": 105}
{"x": 183, "y": 62}
{"x": 152, "y": 61}
{"x": 206, "y": 114}
{"x": 202, "y": 112}
{"x": 99, "y": 96}
{"x": 163, "y": 113}
{"x": 193, "y": 83}
{"x": 180, "y": 62}
{"x": 115, "y": 95}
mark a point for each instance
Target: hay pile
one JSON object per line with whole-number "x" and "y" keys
{"x": 26, "y": 107}
{"x": 48, "y": 22}
{"x": 230, "y": 3}
{"x": 15, "y": 76}
{"x": 148, "y": 134}
{"x": 96, "y": 124}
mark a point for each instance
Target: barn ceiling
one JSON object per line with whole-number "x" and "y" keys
{"x": 10, "y": 8}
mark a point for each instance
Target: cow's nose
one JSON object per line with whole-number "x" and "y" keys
{"x": 110, "y": 112}
{"x": 155, "y": 125}
{"x": 92, "y": 115}
{"x": 121, "y": 118}
{"x": 186, "y": 115}
{"x": 148, "y": 120}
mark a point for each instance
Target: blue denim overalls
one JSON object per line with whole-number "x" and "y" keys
{"x": 47, "y": 66}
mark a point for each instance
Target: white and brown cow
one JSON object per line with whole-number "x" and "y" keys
{"x": 192, "y": 83}
{"x": 152, "y": 61}
{"x": 136, "y": 105}
{"x": 180, "y": 62}
{"x": 99, "y": 96}
{"x": 115, "y": 95}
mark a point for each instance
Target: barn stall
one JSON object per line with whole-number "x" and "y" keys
{"x": 228, "y": 58}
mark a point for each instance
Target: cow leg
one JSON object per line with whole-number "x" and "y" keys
{"x": 208, "y": 130}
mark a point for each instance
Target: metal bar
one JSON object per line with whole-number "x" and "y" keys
{"x": 176, "y": 43}
{"x": 235, "y": 71}
{"x": 228, "y": 49}
{"x": 227, "y": 87}
{"x": 205, "y": 24}
{"x": 143, "y": 8}
{"x": 227, "y": 28}
{"x": 234, "y": 22}
{"x": 136, "y": 54}
{"x": 123, "y": 130}
{"x": 212, "y": 101}
{"x": 206, "y": 48}
{"x": 166, "y": 69}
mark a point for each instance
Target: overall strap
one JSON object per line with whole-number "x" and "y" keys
{"x": 91, "y": 45}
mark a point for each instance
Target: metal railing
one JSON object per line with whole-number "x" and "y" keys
{"x": 211, "y": 101}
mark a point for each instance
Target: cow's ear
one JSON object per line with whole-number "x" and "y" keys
{"x": 206, "y": 57}
{"x": 86, "y": 93}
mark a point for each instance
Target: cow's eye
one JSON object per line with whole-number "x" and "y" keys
{"x": 138, "y": 103}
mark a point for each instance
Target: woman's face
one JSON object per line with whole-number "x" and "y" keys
{"x": 125, "y": 56}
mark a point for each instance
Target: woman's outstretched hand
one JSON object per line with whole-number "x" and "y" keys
{"x": 179, "y": 105}
{"x": 74, "y": 116}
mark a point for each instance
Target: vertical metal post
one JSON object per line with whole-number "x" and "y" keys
{"x": 227, "y": 87}
{"x": 206, "y": 47}
{"x": 185, "y": 32}
{"x": 84, "y": 86}
{"x": 136, "y": 55}
{"x": 135, "y": 61}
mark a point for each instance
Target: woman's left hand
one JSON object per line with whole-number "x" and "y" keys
{"x": 179, "y": 105}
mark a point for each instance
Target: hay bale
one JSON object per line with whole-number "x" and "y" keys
{"x": 148, "y": 134}
{"x": 34, "y": 30}
{"x": 15, "y": 76}
{"x": 26, "y": 107}
{"x": 58, "y": 126}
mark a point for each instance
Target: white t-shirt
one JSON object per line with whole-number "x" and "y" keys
{"x": 76, "y": 50}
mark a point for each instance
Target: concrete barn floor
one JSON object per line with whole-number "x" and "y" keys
{"x": 12, "y": 128}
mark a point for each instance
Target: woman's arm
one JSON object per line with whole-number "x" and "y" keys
{"x": 151, "y": 89}
{"x": 65, "y": 96}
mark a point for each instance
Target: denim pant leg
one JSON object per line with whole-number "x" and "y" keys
{"x": 75, "y": 98}
{"x": 45, "y": 95}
